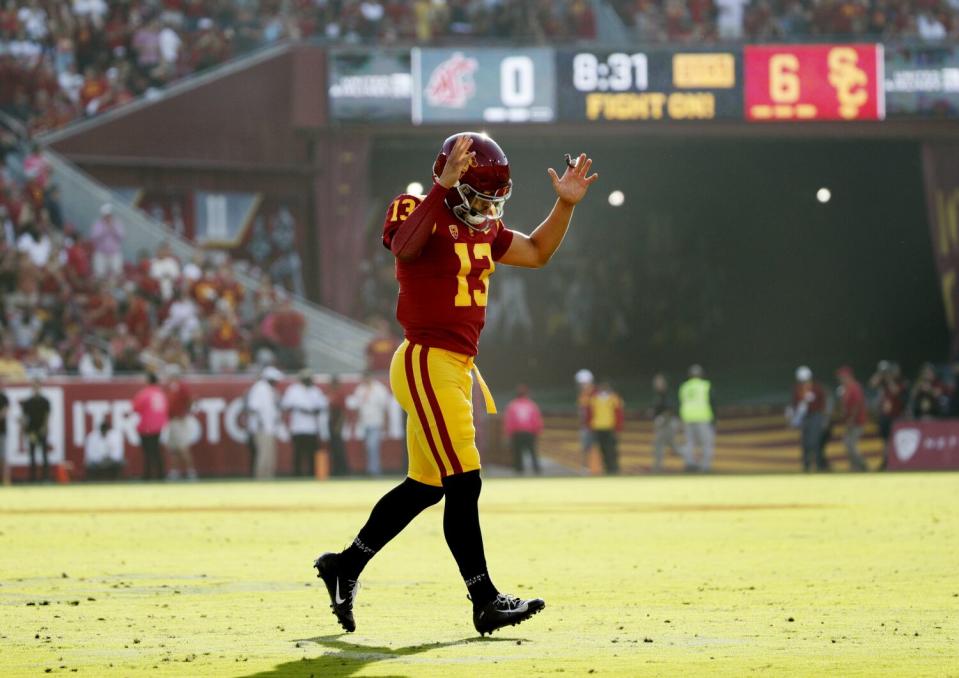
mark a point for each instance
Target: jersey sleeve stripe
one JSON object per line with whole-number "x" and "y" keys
{"x": 420, "y": 412}
{"x": 438, "y": 413}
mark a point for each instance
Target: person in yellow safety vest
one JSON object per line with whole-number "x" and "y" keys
{"x": 696, "y": 411}
{"x": 605, "y": 418}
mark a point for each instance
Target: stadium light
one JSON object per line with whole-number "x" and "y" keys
{"x": 415, "y": 188}
{"x": 616, "y": 198}
{"x": 823, "y": 195}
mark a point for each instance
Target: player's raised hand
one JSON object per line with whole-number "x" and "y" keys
{"x": 457, "y": 163}
{"x": 572, "y": 186}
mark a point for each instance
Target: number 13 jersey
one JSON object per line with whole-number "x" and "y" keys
{"x": 444, "y": 291}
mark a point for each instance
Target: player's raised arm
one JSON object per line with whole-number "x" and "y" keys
{"x": 536, "y": 249}
{"x": 408, "y": 240}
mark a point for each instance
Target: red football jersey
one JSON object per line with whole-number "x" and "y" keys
{"x": 444, "y": 291}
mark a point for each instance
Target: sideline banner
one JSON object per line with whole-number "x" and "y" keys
{"x": 219, "y": 439}
{"x": 941, "y": 175}
{"x": 924, "y": 446}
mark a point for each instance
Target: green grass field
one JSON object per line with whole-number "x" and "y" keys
{"x": 852, "y": 575}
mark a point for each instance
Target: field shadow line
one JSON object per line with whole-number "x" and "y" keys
{"x": 347, "y": 658}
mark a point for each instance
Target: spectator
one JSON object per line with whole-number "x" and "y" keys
{"x": 893, "y": 394}
{"x": 730, "y": 18}
{"x": 95, "y": 364}
{"x": 697, "y": 412}
{"x": 308, "y": 411}
{"x": 524, "y": 423}
{"x": 182, "y": 319}
{"x": 107, "y": 235}
{"x": 927, "y": 394}
{"x": 35, "y": 421}
{"x": 371, "y": 400}
{"x": 25, "y": 328}
{"x": 605, "y": 421}
{"x": 283, "y": 331}
{"x": 224, "y": 341}
{"x": 125, "y": 350}
{"x": 337, "y": 398}
{"x": 150, "y": 404}
{"x": 853, "y": 413}
{"x": 165, "y": 269}
{"x": 665, "y": 422}
{"x": 103, "y": 452}
{"x": 35, "y": 243}
{"x": 4, "y": 408}
{"x": 584, "y": 380}
{"x": 263, "y": 421}
{"x": 180, "y": 404}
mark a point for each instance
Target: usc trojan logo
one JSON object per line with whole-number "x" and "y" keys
{"x": 451, "y": 83}
{"x": 473, "y": 162}
{"x": 848, "y": 80}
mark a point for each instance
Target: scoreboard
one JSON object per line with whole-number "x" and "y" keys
{"x": 648, "y": 85}
{"x": 814, "y": 82}
{"x": 753, "y": 83}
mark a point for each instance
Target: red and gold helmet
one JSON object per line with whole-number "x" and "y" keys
{"x": 480, "y": 195}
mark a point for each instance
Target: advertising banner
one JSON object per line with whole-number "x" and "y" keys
{"x": 651, "y": 85}
{"x": 941, "y": 175}
{"x": 814, "y": 82}
{"x": 922, "y": 81}
{"x": 369, "y": 86}
{"x": 924, "y": 446}
{"x": 219, "y": 440}
{"x": 483, "y": 85}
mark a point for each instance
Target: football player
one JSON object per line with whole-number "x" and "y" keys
{"x": 447, "y": 244}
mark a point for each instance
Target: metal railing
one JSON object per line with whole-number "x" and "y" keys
{"x": 332, "y": 343}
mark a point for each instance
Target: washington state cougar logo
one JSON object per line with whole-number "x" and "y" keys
{"x": 451, "y": 83}
{"x": 907, "y": 442}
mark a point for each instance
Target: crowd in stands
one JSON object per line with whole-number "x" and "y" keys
{"x": 71, "y": 304}
{"x": 686, "y": 21}
{"x": 63, "y": 60}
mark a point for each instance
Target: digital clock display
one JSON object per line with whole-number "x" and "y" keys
{"x": 649, "y": 85}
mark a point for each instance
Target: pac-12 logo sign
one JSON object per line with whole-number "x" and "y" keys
{"x": 454, "y": 231}
{"x": 907, "y": 442}
{"x": 451, "y": 83}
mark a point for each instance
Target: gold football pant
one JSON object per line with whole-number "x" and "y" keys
{"x": 434, "y": 386}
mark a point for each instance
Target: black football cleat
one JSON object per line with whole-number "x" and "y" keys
{"x": 505, "y": 610}
{"x": 342, "y": 590}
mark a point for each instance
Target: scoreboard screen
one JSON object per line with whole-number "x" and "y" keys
{"x": 482, "y": 85}
{"x": 814, "y": 82}
{"x": 649, "y": 85}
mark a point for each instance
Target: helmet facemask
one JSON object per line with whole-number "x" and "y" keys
{"x": 476, "y": 209}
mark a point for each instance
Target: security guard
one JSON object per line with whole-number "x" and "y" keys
{"x": 696, "y": 411}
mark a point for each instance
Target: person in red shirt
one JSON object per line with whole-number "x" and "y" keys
{"x": 853, "y": 414}
{"x": 102, "y": 310}
{"x": 447, "y": 244}
{"x": 228, "y": 287}
{"x": 137, "y": 319}
{"x": 179, "y": 405}
{"x": 523, "y": 424}
{"x": 808, "y": 414}
{"x": 380, "y": 350}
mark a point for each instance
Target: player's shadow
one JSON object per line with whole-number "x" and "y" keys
{"x": 346, "y": 658}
